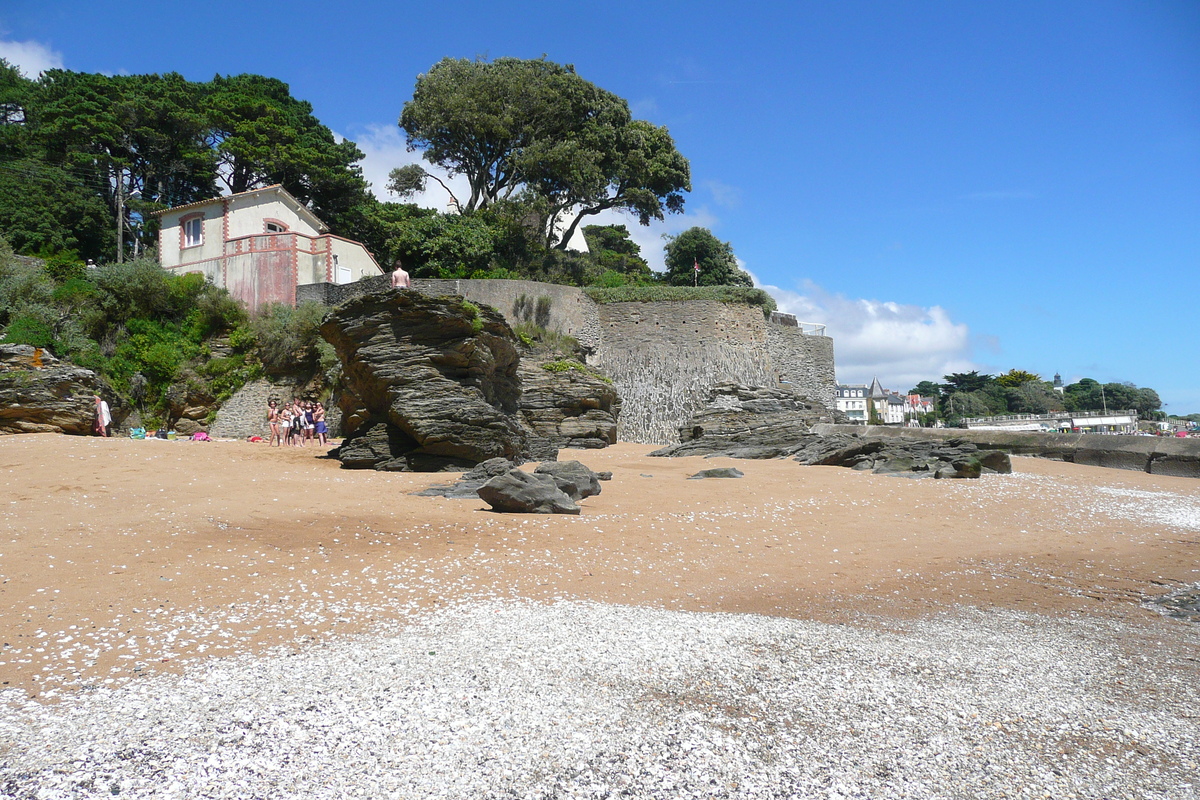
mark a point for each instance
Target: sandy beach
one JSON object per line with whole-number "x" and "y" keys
{"x": 125, "y": 562}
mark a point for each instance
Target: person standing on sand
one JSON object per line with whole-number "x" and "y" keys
{"x": 285, "y": 426}
{"x": 297, "y": 422}
{"x": 319, "y": 421}
{"x": 273, "y": 419}
{"x": 103, "y": 416}
{"x": 310, "y": 424}
{"x": 400, "y": 279}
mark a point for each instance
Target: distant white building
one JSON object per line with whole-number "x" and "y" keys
{"x": 851, "y": 400}
{"x": 260, "y": 245}
{"x": 857, "y": 400}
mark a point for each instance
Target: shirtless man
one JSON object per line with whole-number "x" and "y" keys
{"x": 400, "y": 279}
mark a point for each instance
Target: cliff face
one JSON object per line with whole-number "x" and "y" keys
{"x": 40, "y": 394}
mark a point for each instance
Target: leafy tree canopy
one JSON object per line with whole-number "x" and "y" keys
{"x": 718, "y": 265}
{"x": 966, "y": 381}
{"x": 513, "y": 126}
{"x": 1016, "y": 377}
{"x": 92, "y": 144}
{"x": 612, "y": 249}
{"x": 927, "y": 389}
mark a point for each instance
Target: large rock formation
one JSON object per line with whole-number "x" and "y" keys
{"x": 953, "y": 458}
{"x": 748, "y": 422}
{"x": 572, "y": 407}
{"x": 40, "y": 394}
{"x": 432, "y": 384}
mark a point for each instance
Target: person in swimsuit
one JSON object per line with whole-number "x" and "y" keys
{"x": 310, "y": 422}
{"x": 273, "y": 420}
{"x": 285, "y": 426}
{"x": 319, "y": 422}
{"x": 298, "y": 422}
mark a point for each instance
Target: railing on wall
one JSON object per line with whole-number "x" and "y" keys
{"x": 790, "y": 321}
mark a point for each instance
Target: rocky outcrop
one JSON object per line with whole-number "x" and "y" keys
{"x": 520, "y": 492}
{"x": 189, "y": 405}
{"x": 953, "y": 458}
{"x": 748, "y": 422}
{"x": 573, "y": 408}
{"x": 431, "y": 384}
{"x": 1158, "y": 455}
{"x": 40, "y": 394}
{"x": 572, "y": 478}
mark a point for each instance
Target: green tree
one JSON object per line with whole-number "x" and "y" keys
{"x": 1033, "y": 397}
{"x": 444, "y": 245}
{"x": 967, "y": 404}
{"x": 718, "y": 265}
{"x": 1016, "y": 377}
{"x": 927, "y": 389}
{"x": 514, "y": 125}
{"x": 966, "y": 381}
{"x": 262, "y": 135}
{"x": 612, "y": 249}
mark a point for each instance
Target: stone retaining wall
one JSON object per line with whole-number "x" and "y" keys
{"x": 1157, "y": 455}
{"x": 245, "y": 414}
{"x": 803, "y": 362}
{"x": 664, "y": 358}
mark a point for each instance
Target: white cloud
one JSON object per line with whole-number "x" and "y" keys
{"x": 32, "y": 58}
{"x": 384, "y": 149}
{"x": 901, "y": 344}
{"x": 723, "y": 194}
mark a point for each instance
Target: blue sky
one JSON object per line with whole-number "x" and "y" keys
{"x": 946, "y": 185}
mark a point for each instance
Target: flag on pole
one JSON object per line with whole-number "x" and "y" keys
{"x": 696, "y": 264}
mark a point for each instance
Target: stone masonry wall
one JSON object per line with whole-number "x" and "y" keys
{"x": 562, "y": 309}
{"x": 245, "y": 414}
{"x": 664, "y": 357}
{"x": 805, "y": 363}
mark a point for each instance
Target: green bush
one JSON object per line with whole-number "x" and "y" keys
{"x": 611, "y": 279}
{"x": 568, "y": 365}
{"x": 536, "y": 337}
{"x": 64, "y": 266}
{"x": 286, "y": 338}
{"x": 31, "y": 331}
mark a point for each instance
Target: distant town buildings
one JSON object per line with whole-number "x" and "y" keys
{"x": 874, "y": 404}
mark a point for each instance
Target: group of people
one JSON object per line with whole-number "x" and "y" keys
{"x": 296, "y": 423}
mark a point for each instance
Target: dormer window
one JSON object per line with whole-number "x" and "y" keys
{"x": 193, "y": 231}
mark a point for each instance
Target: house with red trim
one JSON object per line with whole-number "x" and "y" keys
{"x": 260, "y": 245}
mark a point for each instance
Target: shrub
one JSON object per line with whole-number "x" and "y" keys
{"x": 31, "y": 331}
{"x": 536, "y": 337}
{"x": 286, "y": 337}
{"x": 568, "y": 365}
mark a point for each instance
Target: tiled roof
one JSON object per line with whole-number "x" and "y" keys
{"x": 275, "y": 188}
